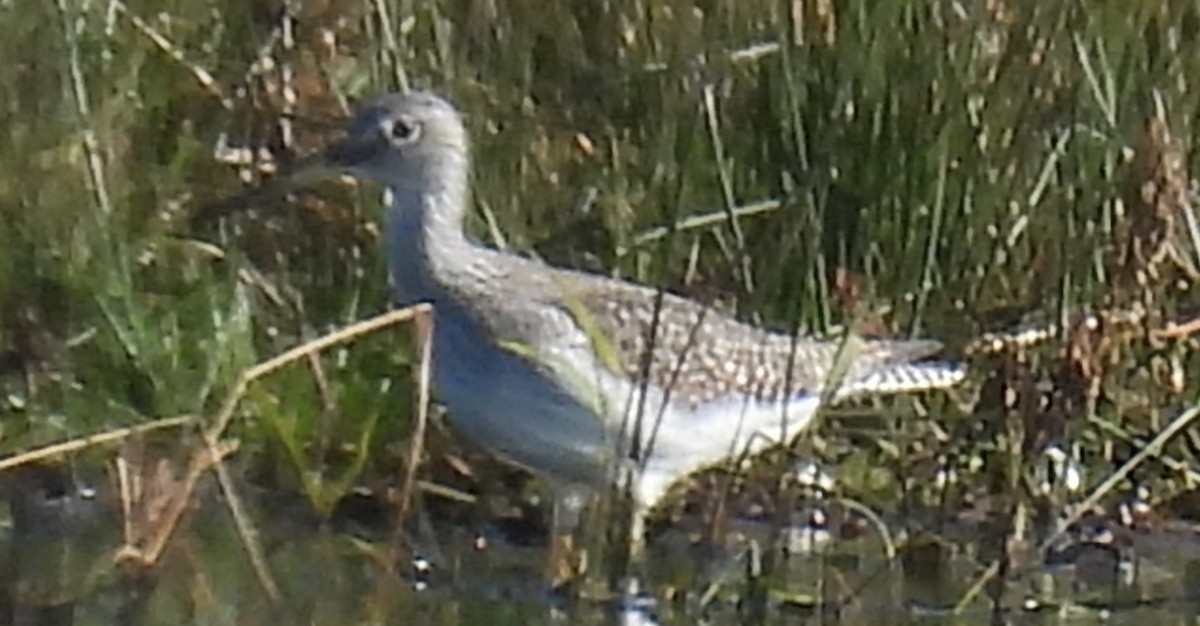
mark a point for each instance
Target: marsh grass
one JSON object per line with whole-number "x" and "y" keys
{"x": 933, "y": 168}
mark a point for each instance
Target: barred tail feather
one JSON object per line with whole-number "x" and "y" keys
{"x": 908, "y": 377}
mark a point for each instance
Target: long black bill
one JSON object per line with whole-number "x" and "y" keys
{"x": 306, "y": 172}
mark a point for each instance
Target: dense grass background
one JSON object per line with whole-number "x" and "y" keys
{"x": 936, "y": 168}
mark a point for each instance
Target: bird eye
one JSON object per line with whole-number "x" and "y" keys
{"x": 404, "y": 130}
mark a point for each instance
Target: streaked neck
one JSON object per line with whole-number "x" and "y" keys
{"x": 429, "y": 254}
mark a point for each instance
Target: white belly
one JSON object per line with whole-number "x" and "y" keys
{"x": 499, "y": 401}
{"x": 569, "y": 429}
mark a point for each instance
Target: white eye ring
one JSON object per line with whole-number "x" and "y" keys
{"x": 404, "y": 130}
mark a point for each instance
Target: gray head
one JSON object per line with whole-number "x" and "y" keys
{"x": 411, "y": 140}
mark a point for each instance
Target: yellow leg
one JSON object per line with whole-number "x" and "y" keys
{"x": 567, "y": 563}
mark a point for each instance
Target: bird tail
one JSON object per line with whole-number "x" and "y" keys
{"x": 904, "y": 377}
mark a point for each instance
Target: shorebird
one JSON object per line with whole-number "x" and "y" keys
{"x": 560, "y": 371}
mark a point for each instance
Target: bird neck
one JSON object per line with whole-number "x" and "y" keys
{"x": 428, "y": 251}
